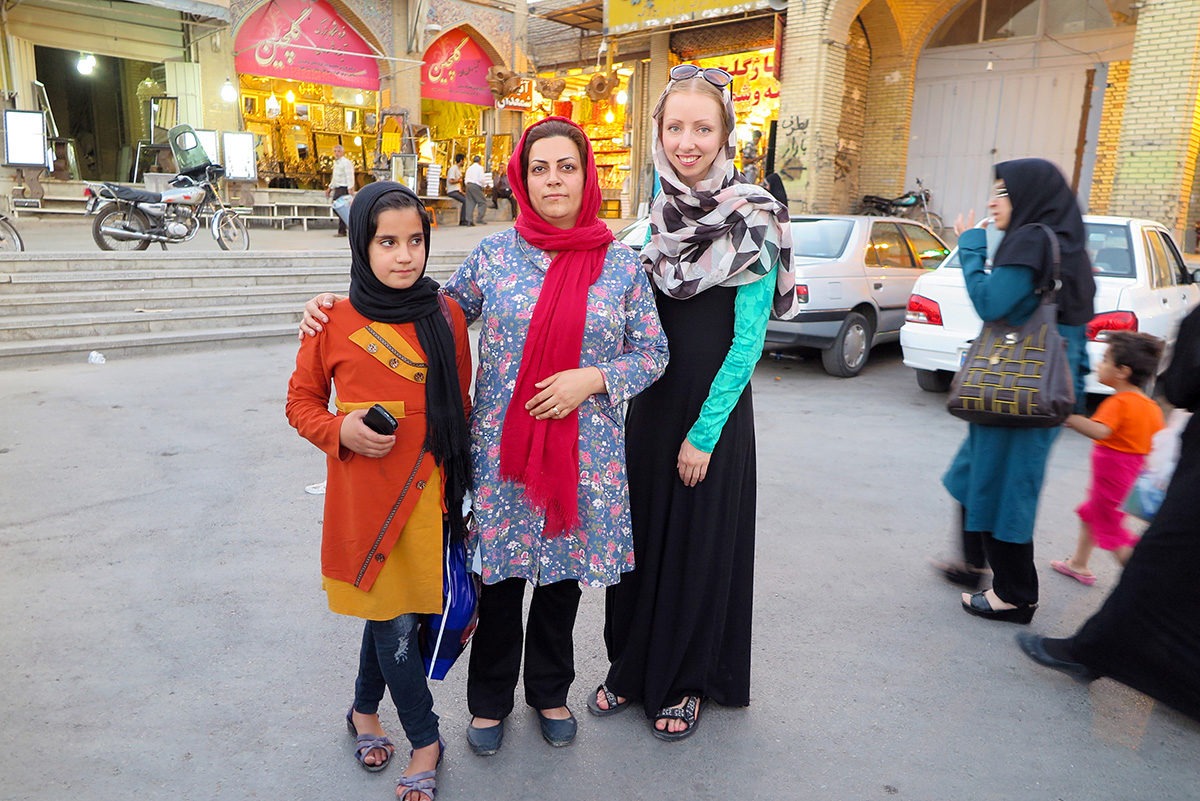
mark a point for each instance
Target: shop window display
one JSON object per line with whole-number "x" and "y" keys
{"x": 596, "y": 100}
{"x": 295, "y": 143}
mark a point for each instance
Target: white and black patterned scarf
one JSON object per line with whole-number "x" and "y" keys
{"x": 721, "y": 232}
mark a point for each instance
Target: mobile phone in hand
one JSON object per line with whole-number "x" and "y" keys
{"x": 379, "y": 420}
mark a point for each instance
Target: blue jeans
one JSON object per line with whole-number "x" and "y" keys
{"x": 389, "y": 659}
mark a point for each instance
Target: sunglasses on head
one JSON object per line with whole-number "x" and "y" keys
{"x": 714, "y": 75}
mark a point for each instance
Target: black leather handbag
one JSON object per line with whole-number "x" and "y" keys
{"x": 1018, "y": 375}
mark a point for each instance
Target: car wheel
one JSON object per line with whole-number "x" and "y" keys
{"x": 847, "y": 356}
{"x": 934, "y": 380}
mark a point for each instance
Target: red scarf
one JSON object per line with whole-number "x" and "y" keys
{"x": 543, "y": 455}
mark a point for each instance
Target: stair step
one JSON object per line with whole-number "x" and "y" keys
{"x": 129, "y": 299}
{"x": 59, "y": 307}
{"x": 71, "y": 349}
{"x": 108, "y": 323}
{"x": 42, "y": 263}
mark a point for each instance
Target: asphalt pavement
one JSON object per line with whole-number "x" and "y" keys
{"x": 165, "y": 636}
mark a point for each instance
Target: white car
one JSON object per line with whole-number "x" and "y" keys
{"x": 1142, "y": 284}
{"x": 854, "y": 275}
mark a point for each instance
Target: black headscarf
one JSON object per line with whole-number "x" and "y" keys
{"x": 446, "y": 435}
{"x": 1040, "y": 194}
{"x": 775, "y": 187}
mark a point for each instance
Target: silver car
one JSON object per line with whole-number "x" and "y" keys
{"x": 854, "y": 275}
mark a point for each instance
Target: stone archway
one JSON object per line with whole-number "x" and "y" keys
{"x": 848, "y": 91}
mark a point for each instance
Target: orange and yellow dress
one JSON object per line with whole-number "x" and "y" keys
{"x": 381, "y": 546}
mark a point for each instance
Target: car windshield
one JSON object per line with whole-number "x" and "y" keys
{"x": 635, "y": 234}
{"x": 820, "y": 238}
{"x": 1108, "y": 248}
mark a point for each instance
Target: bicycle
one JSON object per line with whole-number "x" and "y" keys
{"x": 10, "y": 238}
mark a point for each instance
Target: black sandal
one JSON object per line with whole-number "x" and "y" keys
{"x": 688, "y": 713}
{"x": 610, "y": 698}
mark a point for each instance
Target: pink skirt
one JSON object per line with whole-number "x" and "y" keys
{"x": 1113, "y": 474}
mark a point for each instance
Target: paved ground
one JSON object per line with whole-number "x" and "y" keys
{"x": 164, "y": 634}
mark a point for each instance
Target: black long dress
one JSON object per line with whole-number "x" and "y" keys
{"x": 680, "y": 622}
{"x": 1147, "y": 634}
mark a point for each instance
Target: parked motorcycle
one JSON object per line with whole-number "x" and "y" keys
{"x": 128, "y": 218}
{"x": 913, "y": 204}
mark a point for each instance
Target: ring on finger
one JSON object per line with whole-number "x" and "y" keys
{"x": 554, "y": 411}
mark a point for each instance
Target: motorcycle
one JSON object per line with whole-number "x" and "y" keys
{"x": 913, "y": 205}
{"x": 128, "y": 218}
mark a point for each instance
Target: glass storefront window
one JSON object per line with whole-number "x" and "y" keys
{"x": 1008, "y": 19}
{"x": 1076, "y": 16}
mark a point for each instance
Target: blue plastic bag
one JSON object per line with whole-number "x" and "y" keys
{"x": 442, "y": 638}
{"x": 341, "y": 207}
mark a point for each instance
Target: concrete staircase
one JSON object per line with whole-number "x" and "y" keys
{"x": 58, "y": 307}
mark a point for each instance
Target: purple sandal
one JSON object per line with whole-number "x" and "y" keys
{"x": 424, "y": 782}
{"x": 366, "y": 743}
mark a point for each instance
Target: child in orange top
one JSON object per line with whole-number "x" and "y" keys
{"x": 1123, "y": 427}
{"x": 396, "y": 343}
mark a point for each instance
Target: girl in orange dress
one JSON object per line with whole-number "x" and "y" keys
{"x": 1123, "y": 427}
{"x": 392, "y": 343}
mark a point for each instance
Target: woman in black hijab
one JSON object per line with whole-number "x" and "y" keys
{"x": 997, "y": 474}
{"x": 1147, "y": 634}
{"x": 775, "y": 187}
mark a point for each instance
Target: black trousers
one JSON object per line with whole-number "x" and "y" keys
{"x": 496, "y": 647}
{"x": 1014, "y": 577}
{"x": 340, "y": 191}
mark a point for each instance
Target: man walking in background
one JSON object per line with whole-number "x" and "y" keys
{"x": 454, "y": 187}
{"x": 341, "y": 183}
{"x": 477, "y": 203}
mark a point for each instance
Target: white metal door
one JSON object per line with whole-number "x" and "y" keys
{"x": 963, "y": 126}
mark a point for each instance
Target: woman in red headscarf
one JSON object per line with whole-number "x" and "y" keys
{"x": 569, "y": 332}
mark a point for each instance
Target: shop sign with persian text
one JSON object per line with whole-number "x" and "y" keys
{"x": 304, "y": 40}
{"x": 455, "y": 68}
{"x": 520, "y": 100}
{"x": 622, "y": 16}
{"x": 754, "y": 79}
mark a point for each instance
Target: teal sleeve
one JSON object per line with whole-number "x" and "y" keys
{"x": 751, "y": 311}
{"x": 1004, "y": 293}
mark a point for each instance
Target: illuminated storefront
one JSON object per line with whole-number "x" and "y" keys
{"x": 598, "y": 101}
{"x": 458, "y": 107}
{"x": 308, "y": 81}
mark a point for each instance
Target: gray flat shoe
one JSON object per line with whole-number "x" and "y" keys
{"x": 485, "y": 742}
{"x": 558, "y": 733}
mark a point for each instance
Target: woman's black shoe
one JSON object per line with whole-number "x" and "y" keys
{"x": 980, "y": 607}
{"x": 1034, "y": 647}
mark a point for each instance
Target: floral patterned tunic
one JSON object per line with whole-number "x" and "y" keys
{"x": 500, "y": 282}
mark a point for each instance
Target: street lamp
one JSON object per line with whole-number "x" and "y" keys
{"x": 86, "y": 63}
{"x": 229, "y": 92}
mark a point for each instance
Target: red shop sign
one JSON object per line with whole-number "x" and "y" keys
{"x": 304, "y": 40}
{"x": 455, "y": 69}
